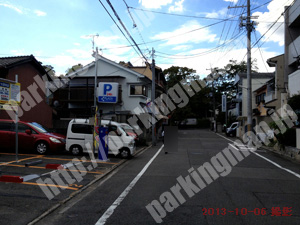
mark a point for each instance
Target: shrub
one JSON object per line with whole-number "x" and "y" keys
{"x": 203, "y": 123}
{"x": 288, "y": 138}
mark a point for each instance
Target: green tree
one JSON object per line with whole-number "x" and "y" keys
{"x": 50, "y": 70}
{"x": 225, "y": 83}
{"x": 198, "y": 105}
{"x": 74, "y": 68}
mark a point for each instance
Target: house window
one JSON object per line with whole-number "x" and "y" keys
{"x": 138, "y": 90}
{"x": 260, "y": 98}
{"x": 263, "y": 97}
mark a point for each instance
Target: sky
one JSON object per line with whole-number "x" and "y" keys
{"x": 198, "y": 34}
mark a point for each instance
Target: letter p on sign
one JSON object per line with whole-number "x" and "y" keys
{"x": 107, "y": 87}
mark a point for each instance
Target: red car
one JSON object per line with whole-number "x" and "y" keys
{"x": 31, "y": 136}
{"x": 130, "y": 131}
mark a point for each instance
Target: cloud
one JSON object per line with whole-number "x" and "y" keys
{"x": 22, "y": 10}
{"x": 201, "y": 35}
{"x": 113, "y": 50}
{"x": 18, "y": 52}
{"x": 217, "y": 59}
{"x": 178, "y": 7}
{"x": 217, "y": 14}
{"x": 62, "y": 62}
{"x": 234, "y": 1}
{"x": 39, "y": 13}
{"x": 10, "y": 6}
{"x": 182, "y": 47}
{"x": 154, "y": 4}
{"x": 276, "y": 33}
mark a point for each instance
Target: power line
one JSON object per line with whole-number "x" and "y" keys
{"x": 261, "y": 53}
{"x": 163, "y": 39}
{"x": 174, "y": 14}
{"x": 135, "y": 25}
{"x": 198, "y": 54}
{"x": 122, "y": 24}
{"x": 117, "y": 26}
{"x": 197, "y": 17}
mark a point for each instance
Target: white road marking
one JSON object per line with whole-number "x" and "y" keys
{"x": 118, "y": 201}
{"x": 270, "y": 161}
{"x": 246, "y": 149}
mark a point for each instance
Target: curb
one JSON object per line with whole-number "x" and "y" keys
{"x": 292, "y": 156}
{"x": 54, "y": 166}
{"x": 53, "y": 208}
{"x": 11, "y": 179}
{"x": 295, "y": 159}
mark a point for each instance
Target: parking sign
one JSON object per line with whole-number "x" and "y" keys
{"x": 108, "y": 92}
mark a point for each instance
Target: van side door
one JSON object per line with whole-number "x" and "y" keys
{"x": 78, "y": 135}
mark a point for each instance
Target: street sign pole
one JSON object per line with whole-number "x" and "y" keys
{"x": 17, "y": 129}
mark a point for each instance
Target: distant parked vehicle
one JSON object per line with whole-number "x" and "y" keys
{"x": 129, "y": 130}
{"x": 31, "y": 136}
{"x": 189, "y": 122}
{"x": 231, "y": 131}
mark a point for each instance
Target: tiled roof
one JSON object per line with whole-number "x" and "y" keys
{"x": 8, "y": 61}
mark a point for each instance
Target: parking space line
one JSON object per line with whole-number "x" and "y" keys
{"x": 51, "y": 185}
{"x": 36, "y": 157}
{"x": 78, "y": 160}
{"x": 4, "y": 153}
{"x": 40, "y": 167}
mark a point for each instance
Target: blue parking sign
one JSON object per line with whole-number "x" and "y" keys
{"x": 108, "y": 92}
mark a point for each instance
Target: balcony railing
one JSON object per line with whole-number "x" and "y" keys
{"x": 270, "y": 96}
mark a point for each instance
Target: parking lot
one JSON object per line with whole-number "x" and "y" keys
{"x": 37, "y": 182}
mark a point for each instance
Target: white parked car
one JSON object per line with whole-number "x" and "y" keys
{"x": 80, "y": 138}
{"x": 231, "y": 131}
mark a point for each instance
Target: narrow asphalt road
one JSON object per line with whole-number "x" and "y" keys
{"x": 256, "y": 191}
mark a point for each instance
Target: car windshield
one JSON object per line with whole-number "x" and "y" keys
{"x": 39, "y": 127}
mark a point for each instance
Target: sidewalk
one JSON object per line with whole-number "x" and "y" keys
{"x": 290, "y": 153}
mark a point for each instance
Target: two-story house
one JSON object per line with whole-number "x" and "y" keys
{"x": 292, "y": 48}
{"x": 271, "y": 95}
{"x": 257, "y": 80}
{"x": 76, "y": 99}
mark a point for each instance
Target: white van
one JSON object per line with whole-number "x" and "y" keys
{"x": 80, "y": 138}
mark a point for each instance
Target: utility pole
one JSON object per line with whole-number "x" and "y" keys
{"x": 249, "y": 26}
{"x": 153, "y": 98}
{"x": 214, "y": 102}
{"x": 95, "y": 54}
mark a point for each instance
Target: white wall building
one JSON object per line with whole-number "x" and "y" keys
{"x": 292, "y": 48}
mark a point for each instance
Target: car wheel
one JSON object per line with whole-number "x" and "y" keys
{"x": 125, "y": 153}
{"x": 41, "y": 148}
{"x": 76, "y": 150}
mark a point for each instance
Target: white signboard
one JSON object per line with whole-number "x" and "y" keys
{"x": 108, "y": 92}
